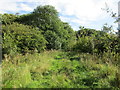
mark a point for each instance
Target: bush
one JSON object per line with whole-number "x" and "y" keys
{"x": 84, "y": 44}
{"x": 22, "y": 38}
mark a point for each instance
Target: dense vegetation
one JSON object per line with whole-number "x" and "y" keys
{"x": 56, "y": 69}
{"x": 41, "y": 51}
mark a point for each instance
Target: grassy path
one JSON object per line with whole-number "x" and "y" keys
{"x": 56, "y": 69}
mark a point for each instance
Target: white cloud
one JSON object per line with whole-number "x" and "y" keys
{"x": 80, "y": 8}
{"x": 5, "y": 6}
{"x": 25, "y": 7}
{"x": 85, "y": 11}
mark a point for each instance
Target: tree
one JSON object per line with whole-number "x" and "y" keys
{"x": 53, "y": 40}
{"x": 70, "y": 38}
{"x": 43, "y": 17}
{"x": 113, "y": 15}
{"x": 47, "y": 20}
{"x": 106, "y": 28}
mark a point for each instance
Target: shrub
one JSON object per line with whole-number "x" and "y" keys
{"x": 84, "y": 44}
{"x": 22, "y": 38}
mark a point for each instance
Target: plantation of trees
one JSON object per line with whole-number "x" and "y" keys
{"x": 41, "y": 51}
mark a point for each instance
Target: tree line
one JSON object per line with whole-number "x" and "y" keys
{"x": 42, "y": 30}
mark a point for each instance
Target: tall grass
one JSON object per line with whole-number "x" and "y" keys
{"x": 57, "y": 69}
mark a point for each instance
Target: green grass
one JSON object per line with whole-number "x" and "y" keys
{"x": 57, "y": 69}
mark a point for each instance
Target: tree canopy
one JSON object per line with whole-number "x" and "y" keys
{"x": 43, "y": 29}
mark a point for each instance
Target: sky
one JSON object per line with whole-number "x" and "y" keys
{"x": 87, "y": 13}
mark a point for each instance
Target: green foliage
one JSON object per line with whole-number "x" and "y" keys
{"x": 90, "y": 40}
{"x": 46, "y": 18}
{"x": 107, "y": 28}
{"x": 22, "y": 38}
{"x": 8, "y": 18}
{"x": 58, "y": 34}
{"x": 53, "y": 40}
{"x": 84, "y": 44}
{"x": 86, "y": 59}
{"x": 70, "y": 38}
{"x": 17, "y": 77}
{"x": 45, "y": 70}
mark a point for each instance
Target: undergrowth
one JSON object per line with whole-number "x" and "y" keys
{"x": 57, "y": 69}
